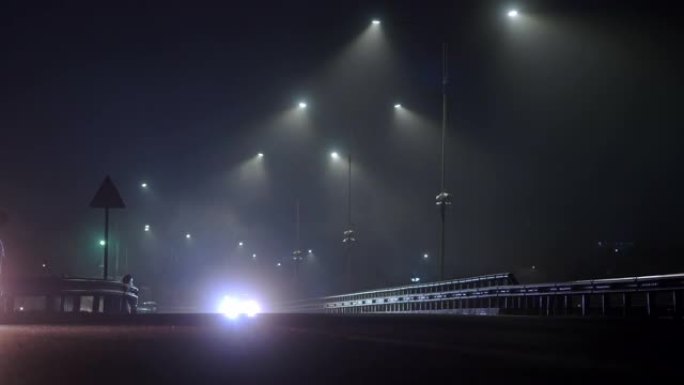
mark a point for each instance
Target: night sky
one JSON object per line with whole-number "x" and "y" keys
{"x": 565, "y": 128}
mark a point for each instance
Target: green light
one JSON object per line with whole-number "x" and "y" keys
{"x": 102, "y": 242}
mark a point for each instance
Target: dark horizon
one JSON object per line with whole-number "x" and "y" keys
{"x": 564, "y": 131}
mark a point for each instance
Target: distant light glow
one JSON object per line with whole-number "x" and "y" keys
{"x": 253, "y": 255}
{"x": 415, "y": 279}
{"x": 260, "y": 155}
{"x": 302, "y": 105}
{"x": 241, "y": 243}
{"x": 143, "y": 184}
{"x": 21, "y": 308}
{"x": 310, "y": 251}
{"x": 233, "y": 308}
{"x": 335, "y": 155}
{"x": 426, "y": 256}
{"x": 102, "y": 242}
{"x": 375, "y": 22}
{"x": 251, "y": 308}
{"x": 147, "y": 227}
{"x": 397, "y": 106}
{"x": 188, "y": 236}
{"x": 513, "y": 13}
{"x": 279, "y": 264}
{"x": 44, "y": 266}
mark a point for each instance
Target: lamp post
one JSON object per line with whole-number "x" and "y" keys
{"x": 349, "y": 235}
{"x": 443, "y": 199}
{"x": 297, "y": 254}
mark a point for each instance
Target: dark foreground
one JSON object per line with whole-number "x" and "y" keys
{"x": 315, "y": 349}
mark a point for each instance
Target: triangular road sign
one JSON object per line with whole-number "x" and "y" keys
{"x": 107, "y": 196}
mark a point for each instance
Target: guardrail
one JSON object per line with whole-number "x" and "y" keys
{"x": 658, "y": 295}
{"x": 66, "y": 295}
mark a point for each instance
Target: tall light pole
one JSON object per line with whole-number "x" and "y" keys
{"x": 298, "y": 254}
{"x": 443, "y": 199}
{"x": 349, "y": 233}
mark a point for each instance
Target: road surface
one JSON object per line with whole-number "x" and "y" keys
{"x": 312, "y": 349}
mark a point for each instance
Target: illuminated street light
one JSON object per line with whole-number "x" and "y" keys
{"x": 426, "y": 256}
{"x": 147, "y": 227}
{"x": 310, "y": 251}
{"x": 254, "y": 256}
{"x": 397, "y": 106}
{"x": 513, "y": 13}
{"x": 187, "y": 236}
{"x": 143, "y": 184}
{"x": 415, "y": 279}
{"x": 279, "y": 264}
{"x": 260, "y": 155}
{"x": 302, "y": 105}
{"x": 349, "y": 235}
{"x": 376, "y": 22}
{"x": 443, "y": 199}
{"x": 240, "y": 244}
{"x": 102, "y": 242}
{"x": 43, "y": 265}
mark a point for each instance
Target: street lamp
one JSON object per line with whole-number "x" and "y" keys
{"x": 513, "y": 13}
{"x": 102, "y": 242}
{"x": 375, "y": 22}
{"x": 443, "y": 199}
{"x": 349, "y": 234}
{"x": 302, "y": 105}
{"x": 425, "y": 256}
{"x": 260, "y": 155}
{"x": 143, "y": 185}
{"x": 397, "y": 106}
{"x": 240, "y": 244}
{"x": 187, "y": 236}
{"x": 297, "y": 254}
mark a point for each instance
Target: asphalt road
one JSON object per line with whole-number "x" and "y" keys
{"x": 313, "y": 349}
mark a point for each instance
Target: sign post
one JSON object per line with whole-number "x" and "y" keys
{"x": 107, "y": 197}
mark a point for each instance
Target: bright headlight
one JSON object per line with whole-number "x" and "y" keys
{"x": 234, "y": 308}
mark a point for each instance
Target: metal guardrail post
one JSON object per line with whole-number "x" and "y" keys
{"x": 541, "y": 305}
{"x": 676, "y": 306}
{"x": 626, "y": 304}
{"x": 603, "y": 304}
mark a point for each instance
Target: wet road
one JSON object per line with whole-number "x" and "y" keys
{"x": 304, "y": 349}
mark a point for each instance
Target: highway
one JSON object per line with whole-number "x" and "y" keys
{"x": 303, "y": 349}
